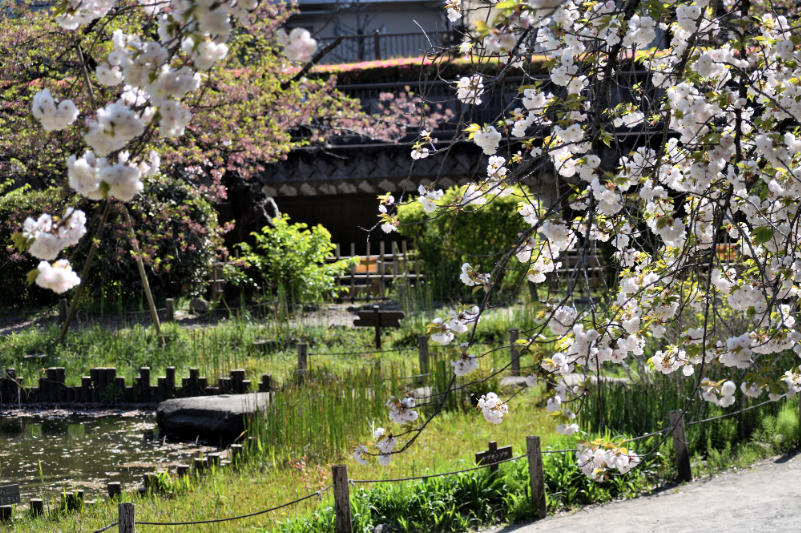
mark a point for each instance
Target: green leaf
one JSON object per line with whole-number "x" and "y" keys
{"x": 762, "y": 234}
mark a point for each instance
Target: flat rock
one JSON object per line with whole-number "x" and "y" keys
{"x": 198, "y": 306}
{"x": 209, "y": 416}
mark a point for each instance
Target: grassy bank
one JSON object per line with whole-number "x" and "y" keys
{"x": 273, "y": 474}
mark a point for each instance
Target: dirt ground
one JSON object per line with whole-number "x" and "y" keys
{"x": 764, "y": 498}
{"x": 327, "y": 315}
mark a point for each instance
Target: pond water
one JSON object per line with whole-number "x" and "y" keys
{"x": 46, "y": 453}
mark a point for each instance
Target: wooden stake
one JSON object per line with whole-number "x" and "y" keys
{"x": 342, "y": 499}
{"x": 303, "y": 352}
{"x": 37, "y": 507}
{"x": 114, "y": 490}
{"x": 536, "y": 477}
{"x": 377, "y": 327}
{"x": 422, "y": 348}
{"x": 170, "y": 310}
{"x": 683, "y": 466}
{"x": 381, "y": 285}
{"x": 352, "y": 273}
{"x": 62, "y": 310}
{"x": 514, "y": 333}
{"x": 126, "y": 518}
{"x": 369, "y": 287}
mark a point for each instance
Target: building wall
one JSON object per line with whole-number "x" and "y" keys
{"x": 343, "y": 215}
{"x": 387, "y": 17}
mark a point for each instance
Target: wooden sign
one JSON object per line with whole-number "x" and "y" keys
{"x": 9, "y": 495}
{"x": 379, "y": 319}
{"x": 494, "y": 455}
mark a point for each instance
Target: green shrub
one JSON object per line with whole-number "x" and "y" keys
{"x": 177, "y": 230}
{"x": 15, "y": 206}
{"x": 473, "y": 235}
{"x": 292, "y": 258}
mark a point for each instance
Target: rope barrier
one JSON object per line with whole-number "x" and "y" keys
{"x": 319, "y": 493}
{"x": 353, "y": 481}
{"x": 560, "y": 451}
{"x": 106, "y": 528}
{"x": 730, "y": 414}
{"x": 649, "y": 434}
{"x": 366, "y": 353}
{"x": 668, "y": 429}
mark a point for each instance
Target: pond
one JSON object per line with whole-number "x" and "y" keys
{"x": 46, "y": 453}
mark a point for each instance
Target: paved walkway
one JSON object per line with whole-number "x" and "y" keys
{"x": 766, "y": 498}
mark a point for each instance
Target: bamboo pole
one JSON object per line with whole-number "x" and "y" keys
{"x": 140, "y": 265}
{"x": 85, "y": 273}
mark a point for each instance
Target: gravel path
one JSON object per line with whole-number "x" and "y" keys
{"x": 764, "y": 499}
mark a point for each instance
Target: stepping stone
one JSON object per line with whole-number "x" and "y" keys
{"x": 209, "y": 416}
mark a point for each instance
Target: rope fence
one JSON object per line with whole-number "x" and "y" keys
{"x": 318, "y": 494}
{"x": 106, "y": 528}
{"x": 352, "y": 481}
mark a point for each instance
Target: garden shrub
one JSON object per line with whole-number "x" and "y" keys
{"x": 474, "y": 235}
{"x": 291, "y": 259}
{"x": 178, "y": 235}
{"x": 15, "y": 206}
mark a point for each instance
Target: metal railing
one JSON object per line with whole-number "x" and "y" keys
{"x": 378, "y": 46}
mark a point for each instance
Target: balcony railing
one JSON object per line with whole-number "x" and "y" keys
{"x": 378, "y": 46}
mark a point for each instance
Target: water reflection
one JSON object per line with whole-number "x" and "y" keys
{"x": 46, "y": 454}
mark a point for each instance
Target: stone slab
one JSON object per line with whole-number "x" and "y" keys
{"x": 209, "y": 416}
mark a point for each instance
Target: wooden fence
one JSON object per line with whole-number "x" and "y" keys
{"x": 371, "y": 278}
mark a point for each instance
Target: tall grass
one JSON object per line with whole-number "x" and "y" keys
{"x": 638, "y": 408}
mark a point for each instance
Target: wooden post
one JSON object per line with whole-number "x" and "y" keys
{"x": 381, "y": 285}
{"x": 369, "y": 287}
{"x": 338, "y": 256}
{"x": 144, "y": 383}
{"x": 403, "y": 297}
{"x": 86, "y": 389}
{"x": 352, "y": 273}
{"x": 37, "y": 507}
{"x": 417, "y": 268}
{"x": 405, "y": 258}
{"x": 114, "y": 490}
{"x": 62, "y": 310}
{"x": 6, "y": 513}
{"x": 377, "y": 327}
{"x": 170, "y": 310}
{"x": 170, "y": 376}
{"x": 492, "y": 446}
{"x": 126, "y": 518}
{"x": 342, "y": 499}
{"x": 683, "y": 467}
{"x": 303, "y": 352}
{"x": 406, "y": 285}
{"x": 536, "y": 477}
{"x": 395, "y": 264}
{"x": 513, "y": 353}
{"x": 182, "y": 470}
{"x": 52, "y": 385}
{"x": 111, "y": 377}
{"x": 422, "y": 348}
{"x": 236, "y": 452}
